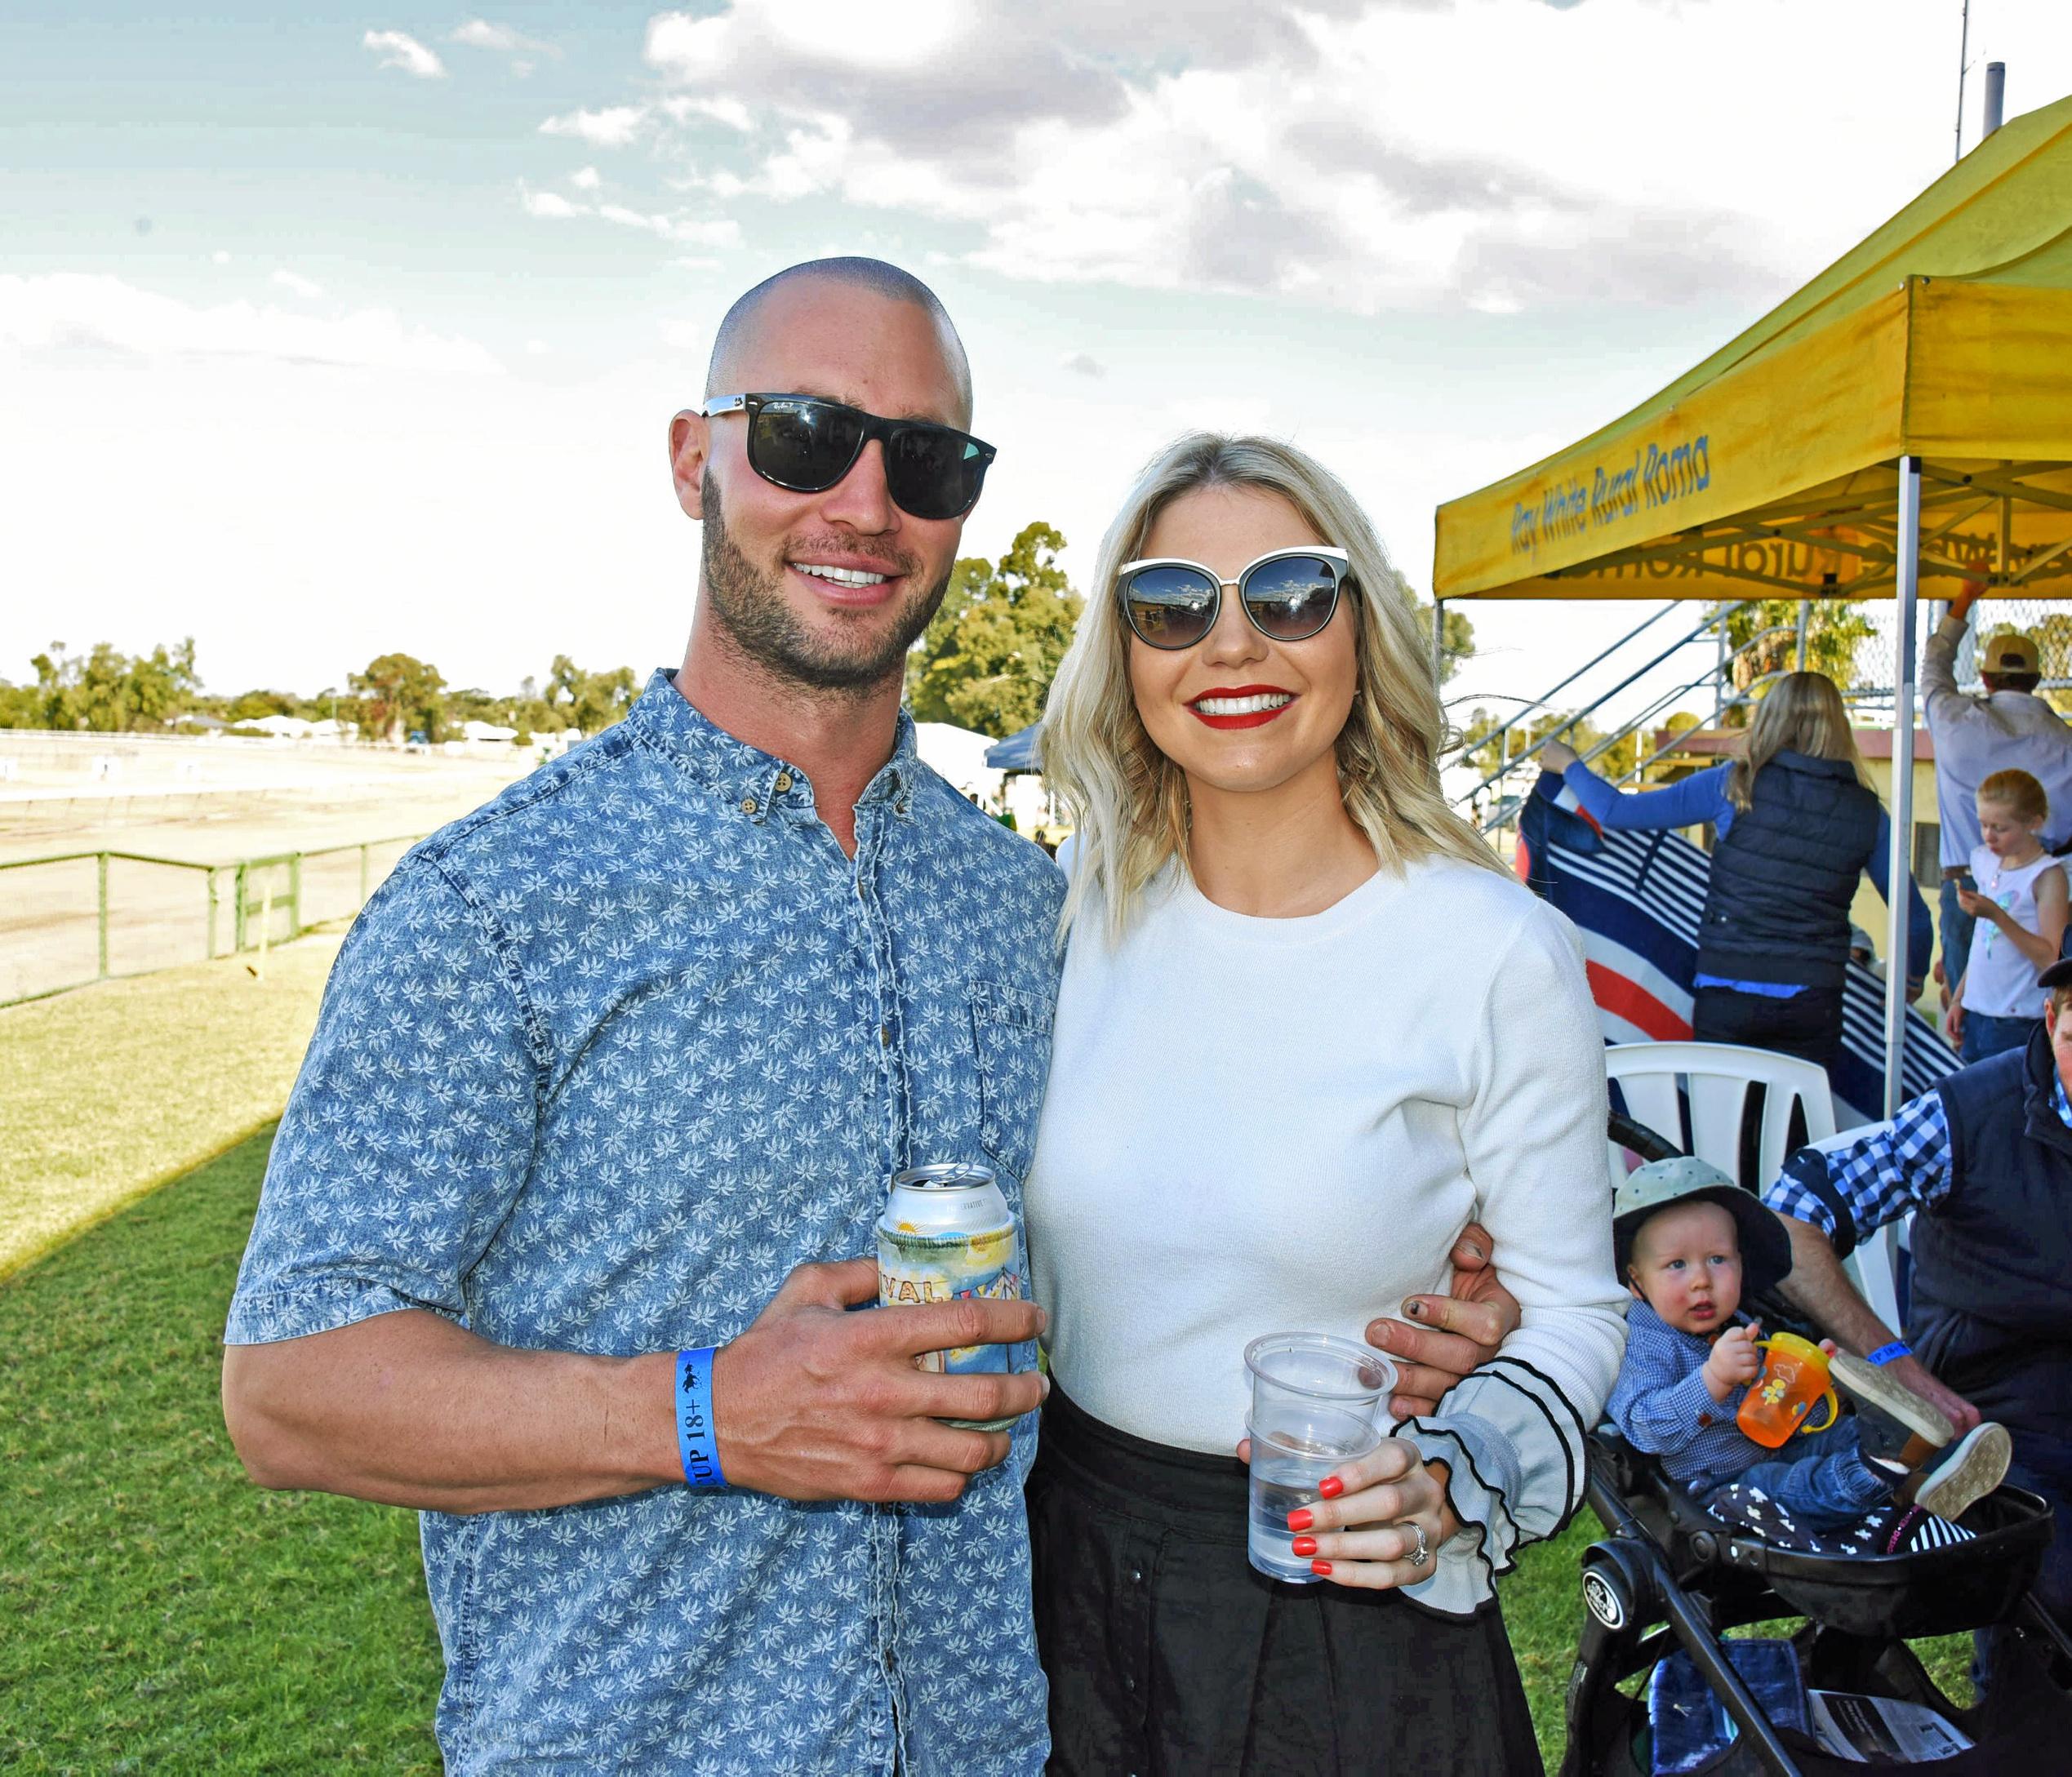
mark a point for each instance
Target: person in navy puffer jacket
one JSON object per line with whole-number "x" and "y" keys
{"x": 1797, "y": 825}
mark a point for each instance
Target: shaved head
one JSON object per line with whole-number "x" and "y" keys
{"x": 738, "y": 332}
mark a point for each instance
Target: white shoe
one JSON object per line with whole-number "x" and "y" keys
{"x": 1892, "y": 1397}
{"x": 1951, "y": 1482}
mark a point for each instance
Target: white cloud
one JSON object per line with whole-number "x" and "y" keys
{"x": 67, "y": 313}
{"x": 1083, "y": 364}
{"x": 680, "y": 226}
{"x": 730, "y": 112}
{"x": 219, "y": 257}
{"x": 479, "y": 34}
{"x": 536, "y": 348}
{"x": 1361, "y": 154}
{"x": 397, "y": 50}
{"x": 305, "y": 287}
{"x": 584, "y": 179}
{"x": 612, "y": 126}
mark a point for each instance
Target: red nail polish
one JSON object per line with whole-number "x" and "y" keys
{"x": 1321, "y": 1568}
{"x": 1301, "y": 1518}
{"x": 1330, "y": 1487}
{"x": 1305, "y": 1545}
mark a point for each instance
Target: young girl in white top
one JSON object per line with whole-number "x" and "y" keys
{"x": 2021, "y": 906}
{"x": 1308, "y": 1029}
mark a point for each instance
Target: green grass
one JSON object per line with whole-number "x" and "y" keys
{"x": 110, "y": 1090}
{"x": 165, "y": 1615}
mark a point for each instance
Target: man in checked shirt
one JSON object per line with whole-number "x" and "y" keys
{"x": 1983, "y": 1162}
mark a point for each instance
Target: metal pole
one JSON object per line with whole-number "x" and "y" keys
{"x": 1719, "y": 669}
{"x": 1805, "y": 622}
{"x": 237, "y": 915}
{"x": 294, "y": 895}
{"x": 212, "y": 897}
{"x": 1438, "y": 640}
{"x": 1996, "y": 96}
{"x": 1900, "y": 867}
{"x": 100, "y": 873}
{"x": 363, "y": 875}
{"x": 1964, "y": 50}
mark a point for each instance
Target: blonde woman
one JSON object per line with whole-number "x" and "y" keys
{"x": 1797, "y": 824}
{"x": 1307, "y": 1032}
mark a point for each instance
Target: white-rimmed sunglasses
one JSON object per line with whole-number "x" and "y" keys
{"x": 1288, "y": 594}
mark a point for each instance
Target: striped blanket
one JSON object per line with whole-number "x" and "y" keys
{"x": 1636, "y": 897}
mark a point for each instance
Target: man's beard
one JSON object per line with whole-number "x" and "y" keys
{"x": 749, "y": 605}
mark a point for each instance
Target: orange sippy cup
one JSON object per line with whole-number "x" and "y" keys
{"x": 1795, "y": 1376}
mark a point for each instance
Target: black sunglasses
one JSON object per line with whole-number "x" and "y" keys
{"x": 806, "y": 445}
{"x": 1289, "y": 595}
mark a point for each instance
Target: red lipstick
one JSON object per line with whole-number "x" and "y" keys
{"x": 1250, "y": 718}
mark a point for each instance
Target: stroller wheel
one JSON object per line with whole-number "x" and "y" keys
{"x": 1615, "y": 1588}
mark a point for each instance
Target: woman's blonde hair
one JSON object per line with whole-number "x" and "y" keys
{"x": 1127, "y": 801}
{"x": 1802, "y": 712}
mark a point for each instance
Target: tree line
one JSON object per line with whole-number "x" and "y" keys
{"x": 985, "y": 663}
{"x": 396, "y": 698}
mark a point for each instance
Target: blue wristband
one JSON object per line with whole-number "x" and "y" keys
{"x": 695, "y": 1440}
{"x": 1885, "y": 1354}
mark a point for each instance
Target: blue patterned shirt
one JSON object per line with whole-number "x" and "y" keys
{"x": 596, "y": 1067}
{"x": 1662, "y": 1405}
{"x": 1852, "y": 1185}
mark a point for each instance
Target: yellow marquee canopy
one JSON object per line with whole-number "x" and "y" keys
{"x": 1773, "y": 468}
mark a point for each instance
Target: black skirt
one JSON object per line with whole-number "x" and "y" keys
{"x": 1169, "y": 1655}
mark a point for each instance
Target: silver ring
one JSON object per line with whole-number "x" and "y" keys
{"x": 1423, "y": 1552}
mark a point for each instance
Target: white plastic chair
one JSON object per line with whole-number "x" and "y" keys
{"x": 1696, "y": 1094}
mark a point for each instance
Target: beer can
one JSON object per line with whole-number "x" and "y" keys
{"x": 947, "y": 1234}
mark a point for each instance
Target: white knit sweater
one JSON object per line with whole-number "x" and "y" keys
{"x": 1263, "y": 1125}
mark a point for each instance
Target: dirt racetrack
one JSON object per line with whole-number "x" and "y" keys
{"x": 200, "y": 804}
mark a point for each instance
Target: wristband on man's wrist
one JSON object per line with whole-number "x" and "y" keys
{"x": 697, "y": 1442}
{"x": 1885, "y": 1354}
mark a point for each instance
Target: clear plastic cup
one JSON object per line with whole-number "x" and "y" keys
{"x": 1317, "y": 1402}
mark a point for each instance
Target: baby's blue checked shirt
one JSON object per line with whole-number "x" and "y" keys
{"x": 598, "y": 1065}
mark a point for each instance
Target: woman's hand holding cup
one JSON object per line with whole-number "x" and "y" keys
{"x": 1364, "y": 1532}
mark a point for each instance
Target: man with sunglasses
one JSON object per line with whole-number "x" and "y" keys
{"x": 560, "y": 1233}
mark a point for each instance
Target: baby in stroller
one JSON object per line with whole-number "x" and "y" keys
{"x": 1691, "y": 1244}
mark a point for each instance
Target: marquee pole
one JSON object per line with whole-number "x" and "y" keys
{"x": 1899, "y": 869}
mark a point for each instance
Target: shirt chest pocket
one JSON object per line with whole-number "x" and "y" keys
{"x": 1011, "y": 1031}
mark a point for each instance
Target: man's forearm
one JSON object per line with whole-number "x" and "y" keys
{"x": 407, "y": 1409}
{"x": 1939, "y": 662}
{"x": 1821, "y": 1290}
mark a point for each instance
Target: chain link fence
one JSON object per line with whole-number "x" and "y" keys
{"x": 2047, "y": 622}
{"x": 82, "y": 917}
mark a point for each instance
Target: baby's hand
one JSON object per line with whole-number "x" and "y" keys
{"x": 1735, "y": 1360}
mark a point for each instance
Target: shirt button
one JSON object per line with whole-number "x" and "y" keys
{"x": 783, "y": 783}
{"x": 1137, "y": 1576}
{"x": 885, "y": 1035}
{"x": 1704, "y": 1419}
{"x": 1129, "y": 1683}
{"x": 747, "y": 805}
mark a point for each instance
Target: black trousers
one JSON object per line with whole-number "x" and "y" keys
{"x": 1807, "y": 1026}
{"x": 1169, "y": 1656}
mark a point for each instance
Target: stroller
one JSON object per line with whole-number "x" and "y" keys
{"x": 1668, "y": 1579}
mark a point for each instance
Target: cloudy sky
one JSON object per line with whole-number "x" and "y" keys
{"x": 328, "y": 332}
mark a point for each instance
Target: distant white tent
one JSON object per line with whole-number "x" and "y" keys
{"x": 282, "y": 727}
{"x": 959, "y": 755}
{"x": 486, "y": 731}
